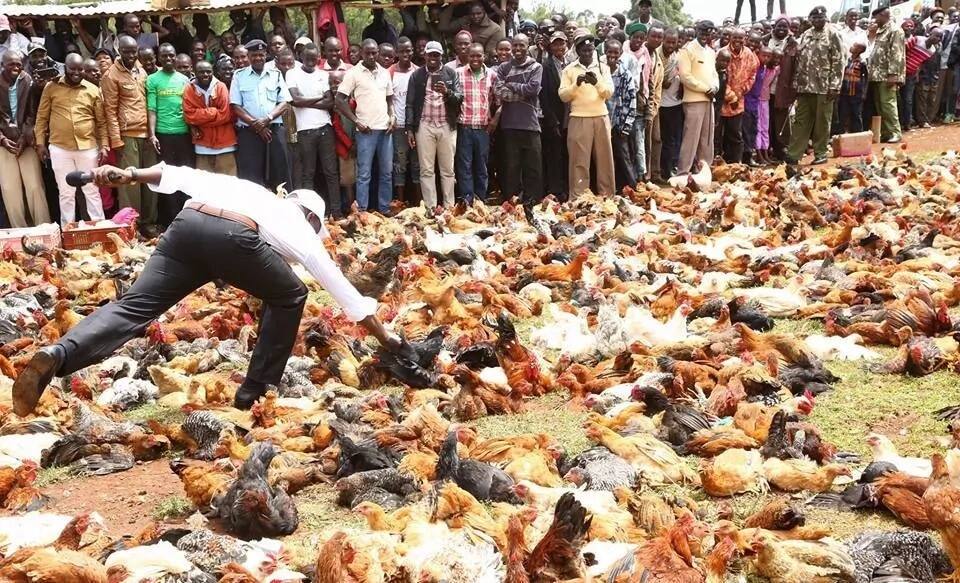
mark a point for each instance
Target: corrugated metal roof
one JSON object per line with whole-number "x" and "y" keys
{"x": 119, "y": 7}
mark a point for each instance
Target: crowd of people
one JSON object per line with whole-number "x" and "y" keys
{"x": 464, "y": 101}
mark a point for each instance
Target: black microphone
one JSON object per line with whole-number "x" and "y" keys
{"x": 77, "y": 178}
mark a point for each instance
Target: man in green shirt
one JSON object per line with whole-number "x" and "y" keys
{"x": 167, "y": 131}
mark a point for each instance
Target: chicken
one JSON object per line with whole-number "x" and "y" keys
{"x": 50, "y": 565}
{"x": 665, "y": 559}
{"x": 573, "y": 271}
{"x": 653, "y": 458}
{"x": 359, "y": 558}
{"x": 649, "y": 511}
{"x": 799, "y": 475}
{"x": 789, "y": 349}
{"x": 64, "y": 319}
{"x": 941, "y": 501}
{"x": 884, "y": 451}
{"x": 24, "y": 496}
{"x": 557, "y": 556}
{"x": 504, "y": 449}
{"x": 789, "y": 562}
{"x": 733, "y": 472}
{"x": 251, "y": 507}
{"x": 172, "y": 332}
{"x": 777, "y": 514}
{"x": 902, "y": 495}
{"x": 522, "y": 366}
{"x": 204, "y": 483}
{"x": 714, "y": 441}
{"x": 482, "y": 480}
{"x": 372, "y": 279}
{"x": 461, "y": 510}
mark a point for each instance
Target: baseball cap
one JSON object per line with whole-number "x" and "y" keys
{"x": 583, "y": 35}
{"x": 433, "y": 47}
{"x": 301, "y": 41}
{"x": 311, "y": 201}
{"x": 33, "y": 47}
{"x": 4, "y": 23}
{"x": 559, "y": 35}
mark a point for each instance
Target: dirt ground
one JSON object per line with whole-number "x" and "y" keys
{"x": 129, "y": 500}
{"x": 126, "y": 501}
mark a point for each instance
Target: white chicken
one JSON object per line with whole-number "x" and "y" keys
{"x": 641, "y": 326}
{"x": 884, "y": 451}
{"x": 150, "y": 562}
{"x": 703, "y": 178}
{"x": 27, "y": 446}
{"x": 33, "y": 529}
{"x": 839, "y": 348}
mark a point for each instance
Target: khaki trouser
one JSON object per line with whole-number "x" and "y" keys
{"x": 586, "y": 136}
{"x": 436, "y": 144}
{"x": 219, "y": 163}
{"x": 21, "y": 182}
{"x": 653, "y": 131}
{"x": 697, "y": 141}
{"x": 139, "y": 154}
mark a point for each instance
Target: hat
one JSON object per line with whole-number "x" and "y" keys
{"x": 559, "y": 35}
{"x": 256, "y": 45}
{"x": 33, "y": 47}
{"x": 818, "y": 11}
{"x": 583, "y": 35}
{"x": 103, "y": 50}
{"x": 635, "y": 27}
{"x": 311, "y": 201}
{"x": 645, "y": 3}
{"x": 4, "y": 23}
{"x": 881, "y": 6}
{"x": 708, "y": 24}
{"x": 302, "y": 41}
{"x": 433, "y": 47}
{"x": 527, "y": 25}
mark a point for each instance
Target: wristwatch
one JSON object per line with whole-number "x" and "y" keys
{"x": 133, "y": 173}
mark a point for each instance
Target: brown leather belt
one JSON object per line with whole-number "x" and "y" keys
{"x": 222, "y": 214}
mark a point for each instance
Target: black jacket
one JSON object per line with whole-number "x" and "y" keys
{"x": 553, "y": 109}
{"x": 417, "y": 92}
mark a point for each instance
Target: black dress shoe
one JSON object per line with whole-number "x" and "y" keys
{"x": 248, "y": 393}
{"x": 32, "y": 381}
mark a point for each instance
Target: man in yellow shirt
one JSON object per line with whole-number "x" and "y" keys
{"x": 697, "y": 66}
{"x": 586, "y": 85}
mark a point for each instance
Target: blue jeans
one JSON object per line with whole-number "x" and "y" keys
{"x": 638, "y": 147}
{"x": 379, "y": 143}
{"x": 473, "y": 151}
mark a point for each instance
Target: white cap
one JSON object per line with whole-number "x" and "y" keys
{"x": 314, "y": 203}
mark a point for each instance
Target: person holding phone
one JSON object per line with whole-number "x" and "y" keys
{"x": 434, "y": 99}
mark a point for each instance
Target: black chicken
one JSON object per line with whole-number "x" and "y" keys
{"x": 855, "y": 496}
{"x": 359, "y": 458}
{"x": 478, "y": 356}
{"x": 405, "y": 370}
{"x": 428, "y": 348}
{"x": 917, "y": 250}
{"x": 778, "y": 444}
{"x": 557, "y": 556}
{"x": 485, "y": 481}
{"x": 749, "y": 313}
{"x": 374, "y": 282}
{"x": 251, "y": 508}
{"x": 389, "y": 480}
{"x": 816, "y": 379}
{"x": 920, "y": 558}
{"x": 679, "y": 421}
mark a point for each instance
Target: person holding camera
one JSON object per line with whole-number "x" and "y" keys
{"x": 433, "y": 106}
{"x": 586, "y": 85}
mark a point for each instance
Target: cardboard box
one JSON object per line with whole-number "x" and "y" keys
{"x": 857, "y": 144}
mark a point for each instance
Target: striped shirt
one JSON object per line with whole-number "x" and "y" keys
{"x": 854, "y": 79}
{"x": 917, "y": 54}
{"x": 478, "y": 96}
{"x": 434, "y": 109}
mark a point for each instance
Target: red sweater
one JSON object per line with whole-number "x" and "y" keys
{"x": 215, "y": 121}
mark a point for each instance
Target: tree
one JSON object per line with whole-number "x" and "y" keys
{"x": 668, "y": 11}
{"x": 538, "y": 12}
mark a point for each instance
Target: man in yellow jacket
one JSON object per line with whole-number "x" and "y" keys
{"x": 586, "y": 85}
{"x": 697, "y": 65}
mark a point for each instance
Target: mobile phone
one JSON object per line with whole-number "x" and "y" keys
{"x": 434, "y": 79}
{"x": 47, "y": 73}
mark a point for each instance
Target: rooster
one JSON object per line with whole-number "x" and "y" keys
{"x": 665, "y": 559}
{"x": 557, "y": 556}
{"x": 251, "y": 508}
{"x": 941, "y": 501}
{"x": 524, "y": 373}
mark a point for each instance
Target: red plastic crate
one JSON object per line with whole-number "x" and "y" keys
{"x": 74, "y": 238}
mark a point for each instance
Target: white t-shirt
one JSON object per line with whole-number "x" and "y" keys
{"x": 309, "y": 85}
{"x": 401, "y": 80}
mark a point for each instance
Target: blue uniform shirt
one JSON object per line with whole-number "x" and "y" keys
{"x": 258, "y": 94}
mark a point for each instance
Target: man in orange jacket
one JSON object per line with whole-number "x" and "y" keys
{"x": 206, "y": 107}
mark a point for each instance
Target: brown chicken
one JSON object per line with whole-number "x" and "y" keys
{"x": 25, "y": 496}
{"x": 171, "y": 332}
{"x": 525, "y": 375}
{"x": 719, "y": 559}
{"x": 478, "y": 399}
{"x": 798, "y": 475}
{"x": 64, "y": 319}
{"x": 941, "y": 501}
{"x": 49, "y": 565}
{"x": 716, "y": 440}
{"x": 538, "y": 466}
{"x": 203, "y": 482}
{"x": 504, "y": 449}
{"x": 572, "y": 271}
{"x": 650, "y": 512}
{"x": 517, "y": 552}
{"x": 902, "y": 494}
{"x": 789, "y": 348}
{"x": 665, "y": 559}
{"x": 557, "y": 556}
{"x": 778, "y": 514}
{"x": 343, "y": 559}
{"x": 732, "y": 472}
{"x": 754, "y": 419}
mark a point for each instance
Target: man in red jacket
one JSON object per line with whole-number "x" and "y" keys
{"x": 206, "y": 107}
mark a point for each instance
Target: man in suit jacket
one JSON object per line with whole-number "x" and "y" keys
{"x": 554, "y": 126}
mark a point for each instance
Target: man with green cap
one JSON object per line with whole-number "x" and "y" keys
{"x": 887, "y": 70}
{"x": 819, "y": 71}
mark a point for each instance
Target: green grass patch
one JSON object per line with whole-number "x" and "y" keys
{"x": 53, "y": 476}
{"x": 320, "y": 516}
{"x": 801, "y": 328}
{"x": 156, "y": 412}
{"x": 172, "y": 507}
{"x": 547, "y": 414}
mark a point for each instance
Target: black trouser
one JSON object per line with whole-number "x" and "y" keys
{"x": 196, "y": 249}
{"x": 260, "y": 162}
{"x": 623, "y": 160}
{"x": 753, "y": 11}
{"x": 850, "y": 109}
{"x": 671, "y": 136}
{"x": 319, "y": 144}
{"x": 175, "y": 150}
{"x": 555, "y": 163}
{"x": 729, "y": 138}
{"x": 748, "y": 131}
{"x": 522, "y": 165}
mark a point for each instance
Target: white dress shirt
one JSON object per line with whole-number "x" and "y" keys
{"x": 281, "y": 224}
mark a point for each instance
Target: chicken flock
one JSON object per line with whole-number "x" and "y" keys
{"x": 653, "y": 315}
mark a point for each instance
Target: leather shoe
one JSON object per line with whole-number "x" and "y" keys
{"x": 248, "y": 393}
{"x": 32, "y": 381}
